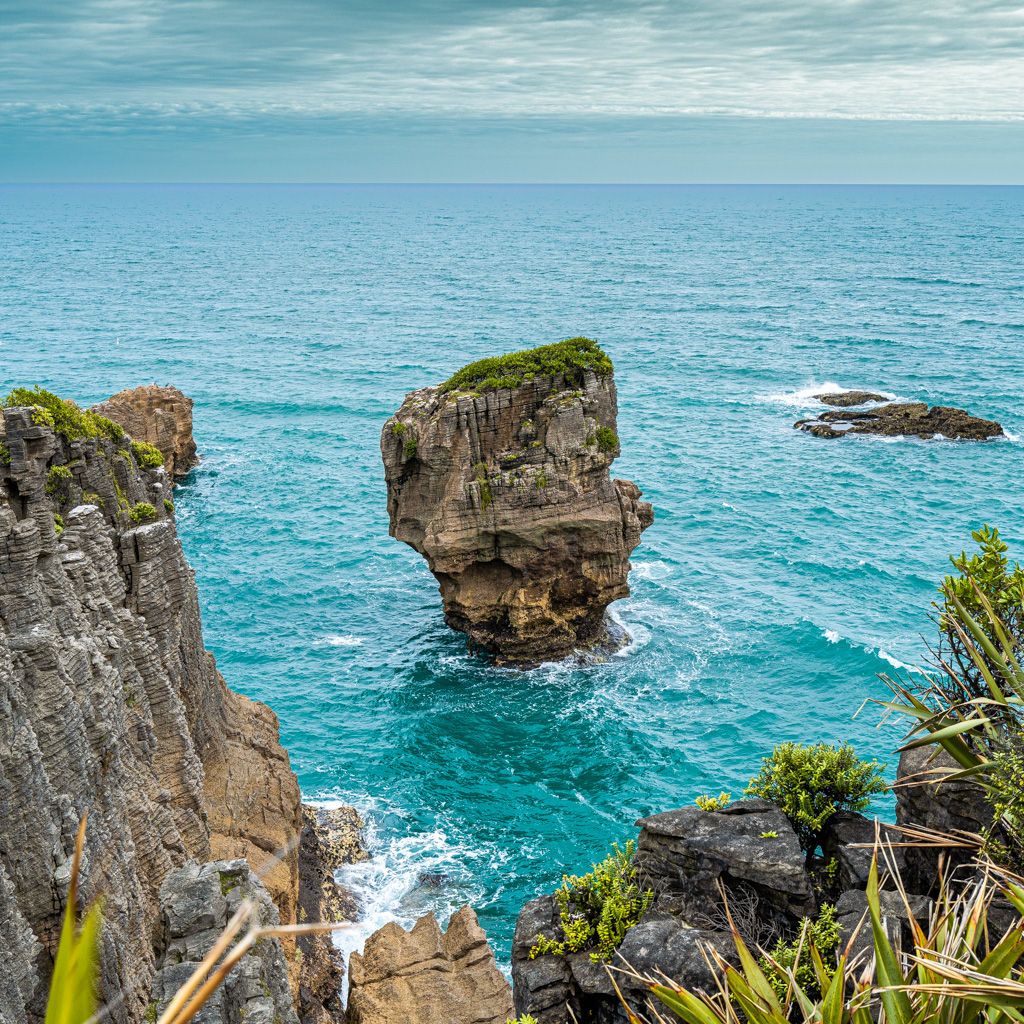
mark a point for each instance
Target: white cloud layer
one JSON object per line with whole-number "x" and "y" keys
{"x": 123, "y": 62}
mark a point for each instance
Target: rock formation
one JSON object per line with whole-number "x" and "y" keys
{"x": 900, "y": 419}
{"x": 844, "y": 399}
{"x": 196, "y": 903}
{"x": 110, "y": 704}
{"x": 426, "y": 976}
{"x": 161, "y": 416}
{"x": 503, "y": 485}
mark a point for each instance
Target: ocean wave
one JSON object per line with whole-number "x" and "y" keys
{"x": 339, "y": 640}
{"x": 804, "y": 398}
{"x": 831, "y": 636}
{"x": 895, "y": 662}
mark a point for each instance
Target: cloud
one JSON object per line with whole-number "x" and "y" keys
{"x": 121, "y": 63}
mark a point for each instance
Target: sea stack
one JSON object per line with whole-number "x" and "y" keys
{"x": 500, "y": 478}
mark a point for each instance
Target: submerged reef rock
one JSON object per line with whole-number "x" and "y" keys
{"x": 160, "y": 416}
{"x": 844, "y": 399}
{"x": 426, "y": 976}
{"x": 902, "y": 419}
{"x": 109, "y": 703}
{"x": 500, "y": 478}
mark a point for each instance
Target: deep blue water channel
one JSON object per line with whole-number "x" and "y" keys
{"x": 783, "y": 571}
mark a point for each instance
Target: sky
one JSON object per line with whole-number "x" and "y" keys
{"x": 486, "y": 90}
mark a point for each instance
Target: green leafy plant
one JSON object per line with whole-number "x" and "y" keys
{"x": 168, "y": 504}
{"x": 713, "y": 803}
{"x": 607, "y": 439}
{"x": 147, "y": 455}
{"x": 5, "y": 456}
{"x": 568, "y": 359}
{"x": 811, "y": 783}
{"x": 771, "y": 834}
{"x": 598, "y": 909}
{"x": 57, "y": 479}
{"x": 525, "y": 1019}
{"x": 142, "y": 511}
{"x": 398, "y": 427}
{"x": 485, "y": 495}
{"x": 785, "y": 960}
{"x": 58, "y": 524}
{"x": 411, "y": 447}
{"x": 66, "y": 418}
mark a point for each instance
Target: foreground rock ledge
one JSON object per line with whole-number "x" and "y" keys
{"x": 507, "y": 494}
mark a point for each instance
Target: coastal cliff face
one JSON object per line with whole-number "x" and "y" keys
{"x": 507, "y": 494}
{"x": 109, "y": 704}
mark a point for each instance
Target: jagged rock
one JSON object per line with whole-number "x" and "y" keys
{"x": 110, "y": 703}
{"x": 162, "y": 416}
{"x": 683, "y": 854}
{"x": 847, "y": 398}
{"x": 843, "y": 837}
{"x": 543, "y": 987}
{"x": 425, "y": 976}
{"x": 340, "y": 830}
{"x": 17, "y": 966}
{"x": 508, "y": 496}
{"x": 196, "y": 903}
{"x": 321, "y": 899}
{"x": 851, "y": 909}
{"x": 902, "y": 419}
{"x": 941, "y": 806}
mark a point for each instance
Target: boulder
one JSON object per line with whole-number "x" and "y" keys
{"x": 196, "y": 903}
{"x": 843, "y": 838}
{"x": 682, "y": 855}
{"x": 902, "y": 419}
{"x": 161, "y": 416}
{"x": 507, "y": 494}
{"x": 543, "y": 987}
{"x": 851, "y": 909}
{"x": 426, "y": 976}
{"x": 845, "y": 399}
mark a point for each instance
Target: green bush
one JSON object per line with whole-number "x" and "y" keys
{"x": 713, "y": 803}
{"x": 525, "y": 1019}
{"x": 147, "y": 455}
{"x": 567, "y": 359}
{"x": 598, "y": 909}
{"x": 411, "y": 447}
{"x": 398, "y": 427}
{"x": 824, "y": 934}
{"x": 168, "y": 504}
{"x": 5, "y": 456}
{"x": 58, "y": 524}
{"x": 811, "y": 783}
{"x": 64, "y": 416}
{"x": 57, "y": 479}
{"x": 607, "y": 439}
{"x": 142, "y": 511}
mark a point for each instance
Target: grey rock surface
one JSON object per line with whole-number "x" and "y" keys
{"x": 196, "y": 903}
{"x": 109, "y": 703}
{"x": 846, "y": 836}
{"x": 851, "y": 916}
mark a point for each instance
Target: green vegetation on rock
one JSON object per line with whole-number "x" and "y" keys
{"x": 58, "y": 524}
{"x": 411, "y": 447}
{"x": 398, "y": 427}
{"x": 142, "y": 511}
{"x": 607, "y": 439}
{"x": 568, "y": 359}
{"x": 66, "y": 418}
{"x": 57, "y": 479}
{"x": 147, "y": 455}
{"x": 5, "y": 456}
{"x": 795, "y": 957}
{"x": 811, "y": 783}
{"x": 168, "y": 504}
{"x": 714, "y": 803}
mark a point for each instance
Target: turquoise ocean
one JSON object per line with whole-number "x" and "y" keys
{"x": 782, "y": 574}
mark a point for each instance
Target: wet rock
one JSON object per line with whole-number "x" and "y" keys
{"x": 845, "y": 399}
{"x": 161, "y": 416}
{"x": 902, "y": 419}
{"x": 507, "y": 494}
{"x": 843, "y": 838}
{"x": 196, "y": 903}
{"x": 427, "y": 976}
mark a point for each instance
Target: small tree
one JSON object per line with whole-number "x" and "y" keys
{"x": 811, "y": 783}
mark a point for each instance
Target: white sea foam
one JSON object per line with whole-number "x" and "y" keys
{"x": 805, "y": 397}
{"x": 339, "y": 640}
{"x": 895, "y": 662}
{"x": 831, "y": 636}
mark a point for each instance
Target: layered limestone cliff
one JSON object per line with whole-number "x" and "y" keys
{"x": 110, "y": 704}
{"x": 502, "y": 483}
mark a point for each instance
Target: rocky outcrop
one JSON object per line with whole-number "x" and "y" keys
{"x": 110, "y": 704}
{"x": 321, "y": 899}
{"x": 902, "y": 419}
{"x": 507, "y": 494}
{"x": 844, "y": 399}
{"x": 196, "y": 903}
{"x": 161, "y": 416}
{"x": 426, "y": 976}
{"x": 848, "y": 838}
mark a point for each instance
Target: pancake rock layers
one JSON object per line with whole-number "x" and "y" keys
{"x": 500, "y": 478}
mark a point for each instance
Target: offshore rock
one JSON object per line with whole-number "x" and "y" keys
{"x": 110, "y": 704}
{"x": 196, "y": 903}
{"x": 902, "y": 419}
{"x": 162, "y": 416}
{"x": 427, "y": 976}
{"x": 844, "y": 399}
{"x": 507, "y": 494}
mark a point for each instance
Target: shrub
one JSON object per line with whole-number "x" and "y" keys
{"x": 485, "y": 495}
{"x": 411, "y": 447}
{"x": 714, "y": 803}
{"x": 168, "y": 504}
{"x": 398, "y": 427}
{"x": 598, "y": 909}
{"x": 147, "y": 455}
{"x": 5, "y": 456}
{"x": 811, "y": 783}
{"x": 57, "y": 479}
{"x": 567, "y": 359}
{"x": 525, "y": 1019}
{"x": 607, "y": 439}
{"x": 142, "y": 511}
{"x": 66, "y": 418}
{"x": 58, "y": 524}
{"x": 795, "y": 956}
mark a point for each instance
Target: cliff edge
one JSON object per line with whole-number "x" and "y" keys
{"x": 500, "y": 478}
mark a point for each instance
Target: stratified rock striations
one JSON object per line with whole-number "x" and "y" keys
{"x": 161, "y": 416}
{"x": 502, "y": 483}
{"x": 110, "y": 704}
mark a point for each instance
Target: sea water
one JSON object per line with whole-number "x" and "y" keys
{"x": 782, "y": 574}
